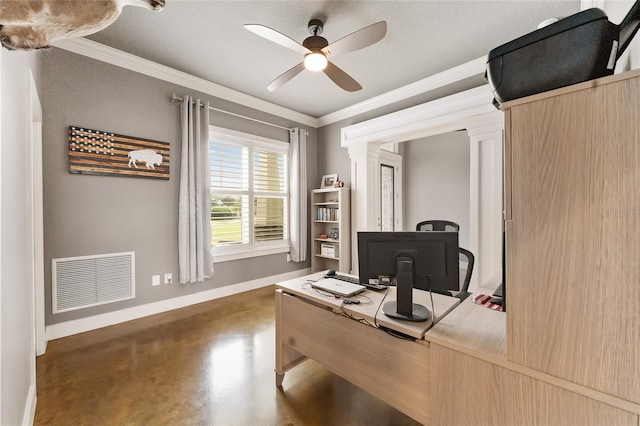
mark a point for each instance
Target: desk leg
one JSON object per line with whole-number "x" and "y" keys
{"x": 286, "y": 357}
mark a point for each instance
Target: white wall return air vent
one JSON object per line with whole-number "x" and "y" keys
{"x": 85, "y": 281}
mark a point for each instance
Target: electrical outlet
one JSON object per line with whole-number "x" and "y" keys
{"x": 168, "y": 278}
{"x": 288, "y": 258}
{"x": 155, "y": 280}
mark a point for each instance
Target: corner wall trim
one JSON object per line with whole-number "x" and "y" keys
{"x": 69, "y": 328}
{"x": 29, "y": 414}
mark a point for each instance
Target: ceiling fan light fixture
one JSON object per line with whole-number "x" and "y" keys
{"x": 316, "y": 51}
{"x": 315, "y": 61}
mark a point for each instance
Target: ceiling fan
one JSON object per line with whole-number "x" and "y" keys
{"x": 317, "y": 50}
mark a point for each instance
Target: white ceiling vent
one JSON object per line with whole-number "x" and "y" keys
{"x": 81, "y": 282}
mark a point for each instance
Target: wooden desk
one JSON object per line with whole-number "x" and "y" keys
{"x": 463, "y": 357}
{"x": 473, "y": 329}
{"x": 310, "y": 325}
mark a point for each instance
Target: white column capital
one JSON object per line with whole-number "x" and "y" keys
{"x": 364, "y": 151}
{"x": 490, "y": 122}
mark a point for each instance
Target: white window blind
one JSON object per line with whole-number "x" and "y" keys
{"x": 249, "y": 192}
{"x": 229, "y": 193}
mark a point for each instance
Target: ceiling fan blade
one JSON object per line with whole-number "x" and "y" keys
{"x": 285, "y": 77}
{"x": 357, "y": 40}
{"x": 276, "y": 37}
{"x": 341, "y": 78}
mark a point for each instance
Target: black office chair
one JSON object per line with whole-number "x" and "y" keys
{"x": 465, "y": 255}
{"x": 437, "y": 225}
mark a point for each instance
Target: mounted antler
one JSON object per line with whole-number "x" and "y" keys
{"x": 35, "y": 24}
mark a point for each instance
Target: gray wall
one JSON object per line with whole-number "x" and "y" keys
{"x": 86, "y": 215}
{"x": 436, "y": 181}
{"x": 16, "y": 266}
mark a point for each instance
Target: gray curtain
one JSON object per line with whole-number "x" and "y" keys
{"x": 298, "y": 186}
{"x": 194, "y": 218}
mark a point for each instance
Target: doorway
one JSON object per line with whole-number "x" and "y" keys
{"x": 471, "y": 110}
{"x": 389, "y": 203}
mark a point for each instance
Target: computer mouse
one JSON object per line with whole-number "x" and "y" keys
{"x": 330, "y": 273}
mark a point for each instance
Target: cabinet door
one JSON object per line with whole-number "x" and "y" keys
{"x": 573, "y": 242}
{"x": 467, "y": 391}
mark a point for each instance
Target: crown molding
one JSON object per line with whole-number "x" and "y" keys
{"x": 460, "y": 72}
{"x": 100, "y": 52}
{"x": 431, "y": 118}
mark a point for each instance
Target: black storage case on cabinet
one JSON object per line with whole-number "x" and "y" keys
{"x": 578, "y": 48}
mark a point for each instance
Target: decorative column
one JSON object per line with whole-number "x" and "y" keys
{"x": 364, "y": 159}
{"x": 486, "y": 193}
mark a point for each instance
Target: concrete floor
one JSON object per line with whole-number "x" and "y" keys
{"x": 208, "y": 364}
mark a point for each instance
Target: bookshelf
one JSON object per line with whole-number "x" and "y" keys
{"x": 331, "y": 230}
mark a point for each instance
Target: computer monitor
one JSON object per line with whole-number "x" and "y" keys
{"x": 423, "y": 260}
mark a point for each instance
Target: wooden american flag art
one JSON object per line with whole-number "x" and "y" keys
{"x": 94, "y": 152}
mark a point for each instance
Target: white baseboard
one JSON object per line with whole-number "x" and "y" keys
{"x": 68, "y": 328}
{"x": 30, "y": 407}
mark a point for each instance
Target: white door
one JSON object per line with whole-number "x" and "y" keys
{"x": 389, "y": 192}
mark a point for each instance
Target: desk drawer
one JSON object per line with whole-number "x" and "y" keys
{"x": 394, "y": 370}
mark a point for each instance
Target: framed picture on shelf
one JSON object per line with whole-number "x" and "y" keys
{"x": 328, "y": 181}
{"x": 333, "y": 234}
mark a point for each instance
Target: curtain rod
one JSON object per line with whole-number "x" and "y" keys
{"x": 176, "y": 98}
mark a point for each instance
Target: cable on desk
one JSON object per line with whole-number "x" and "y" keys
{"x": 389, "y": 331}
{"x": 340, "y": 311}
{"x": 368, "y": 300}
{"x": 375, "y": 316}
{"x": 308, "y": 284}
{"x": 397, "y": 334}
{"x": 433, "y": 311}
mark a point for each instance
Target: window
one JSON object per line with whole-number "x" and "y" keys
{"x": 249, "y": 195}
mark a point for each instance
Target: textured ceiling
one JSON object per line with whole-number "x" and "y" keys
{"x": 207, "y": 39}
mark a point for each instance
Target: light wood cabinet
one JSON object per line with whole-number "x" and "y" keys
{"x": 567, "y": 350}
{"x": 473, "y": 383}
{"x": 469, "y": 391}
{"x": 331, "y": 230}
{"x": 573, "y": 234}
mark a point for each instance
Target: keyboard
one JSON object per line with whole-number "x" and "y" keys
{"x": 355, "y": 280}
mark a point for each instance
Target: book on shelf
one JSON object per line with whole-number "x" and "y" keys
{"x": 327, "y": 213}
